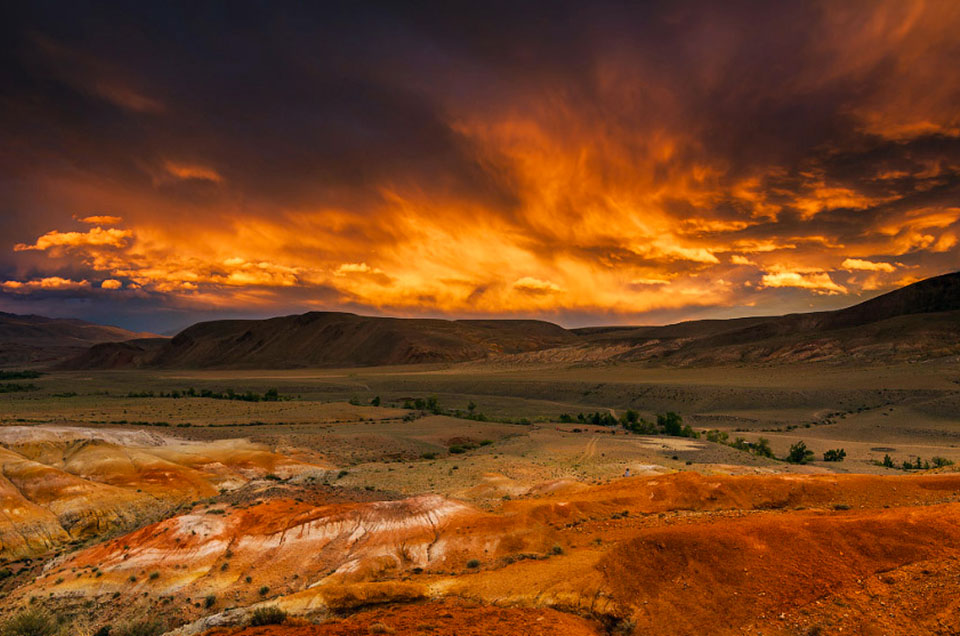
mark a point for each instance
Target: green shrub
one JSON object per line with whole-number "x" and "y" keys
{"x": 210, "y": 601}
{"x": 264, "y": 590}
{"x": 762, "y": 448}
{"x": 473, "y": 563}
{"x": 834, "y": 455}
{"x": 268, "y": 616}
{"x": 799, "y": 454}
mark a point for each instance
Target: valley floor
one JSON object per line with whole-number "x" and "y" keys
{"x": 483, "y": 509}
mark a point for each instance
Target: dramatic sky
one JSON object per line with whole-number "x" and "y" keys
{"x": 586, "y": 163}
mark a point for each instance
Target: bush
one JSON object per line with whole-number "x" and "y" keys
{"x": 210, "y": 601}
{"x": 147, "y": 627}
{"x": 762, "y": 448}
{"x": 264, "y": 590}
{"x": 32, "y": 622}
{"x": 268, "y": 616}
{"x": 834, "y": 455}
{"x": 473, "y": 563}
{"x": 887, "y": 461}
{"x": 799, "y": 454}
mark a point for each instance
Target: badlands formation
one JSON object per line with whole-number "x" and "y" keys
{"x": 678, "y": 553}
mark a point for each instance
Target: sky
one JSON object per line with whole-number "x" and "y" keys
{"x": 581, "y": 162}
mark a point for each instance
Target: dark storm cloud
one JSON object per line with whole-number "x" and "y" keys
{"x": 404, "y": 158}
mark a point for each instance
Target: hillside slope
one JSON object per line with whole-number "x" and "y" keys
{"x": 920, "y": 321}
{"x": 30, "y": 340}
{"x": 328, "y": 339}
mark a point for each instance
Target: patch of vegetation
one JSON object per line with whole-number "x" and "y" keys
{"x": 20, "y": 375}
{"x": 834, "y": 455}
{"x": 915, "y": 464}
{"x": 210, "y": 601}
{"x": 760, "y": 448}
{"x": 473, "y": 564}
{"x": 431, "y": 404}
{"x": 16, "y": 387}
{"x": 799, "y": 453}
{"x": 146, "y": 627}
{"x": 268, "y": 616}
{"x": 271, "y": 395}
{"x": 669, "y": 423}
{"x": 31, "y": 622}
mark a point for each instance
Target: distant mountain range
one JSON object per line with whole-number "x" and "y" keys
{"x": 920, "y": 321}
{"x": 36, "y": 340}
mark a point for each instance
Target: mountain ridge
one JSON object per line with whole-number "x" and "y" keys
{"x": 921, "y": 319}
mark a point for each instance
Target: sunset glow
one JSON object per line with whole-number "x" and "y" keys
{"x": 590, "y": 165}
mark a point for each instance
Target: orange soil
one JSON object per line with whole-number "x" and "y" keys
{"x": 437, "y": 619}
{"x": 675, "y": 554}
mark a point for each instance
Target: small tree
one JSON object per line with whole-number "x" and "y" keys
{"x": 799, "y": 453}
{"x": 834, "y": 455}
{"x": 762, "y": 448}
{"x": 671, "y": 423}
{"x": 887, "y": 461}
{"x": 375, "y": 401}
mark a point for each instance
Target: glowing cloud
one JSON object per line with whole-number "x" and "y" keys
{"x": 102, "y": 220}
{"x": 536, "y": 286}
{"x": 867, "y": 266}
{"x": 189, "y": 171}
{"x": 818, "y": 282}
{"x": 49, "y": 283}
{"x": 97, "y": 237}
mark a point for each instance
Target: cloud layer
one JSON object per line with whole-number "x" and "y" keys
{"x": 582, "y": 162}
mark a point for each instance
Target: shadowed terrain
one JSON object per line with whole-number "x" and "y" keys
{"x": 920, "y": 321}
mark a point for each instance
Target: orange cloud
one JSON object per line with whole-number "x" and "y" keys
{"x": 867, "y": 266}
{"x": 102, "y": 220}
{"x": 536, "y": 286}
{"x": 818, "y": 282}
{"x": 189, "y": 171}
{"x": 51, "y": 282}
{"x": 97, "y": 237}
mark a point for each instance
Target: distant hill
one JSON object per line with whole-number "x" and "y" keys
{"x": 36, "y": 340}
{"x": 329, "y": 339}
{"x": 919, "y": 321}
